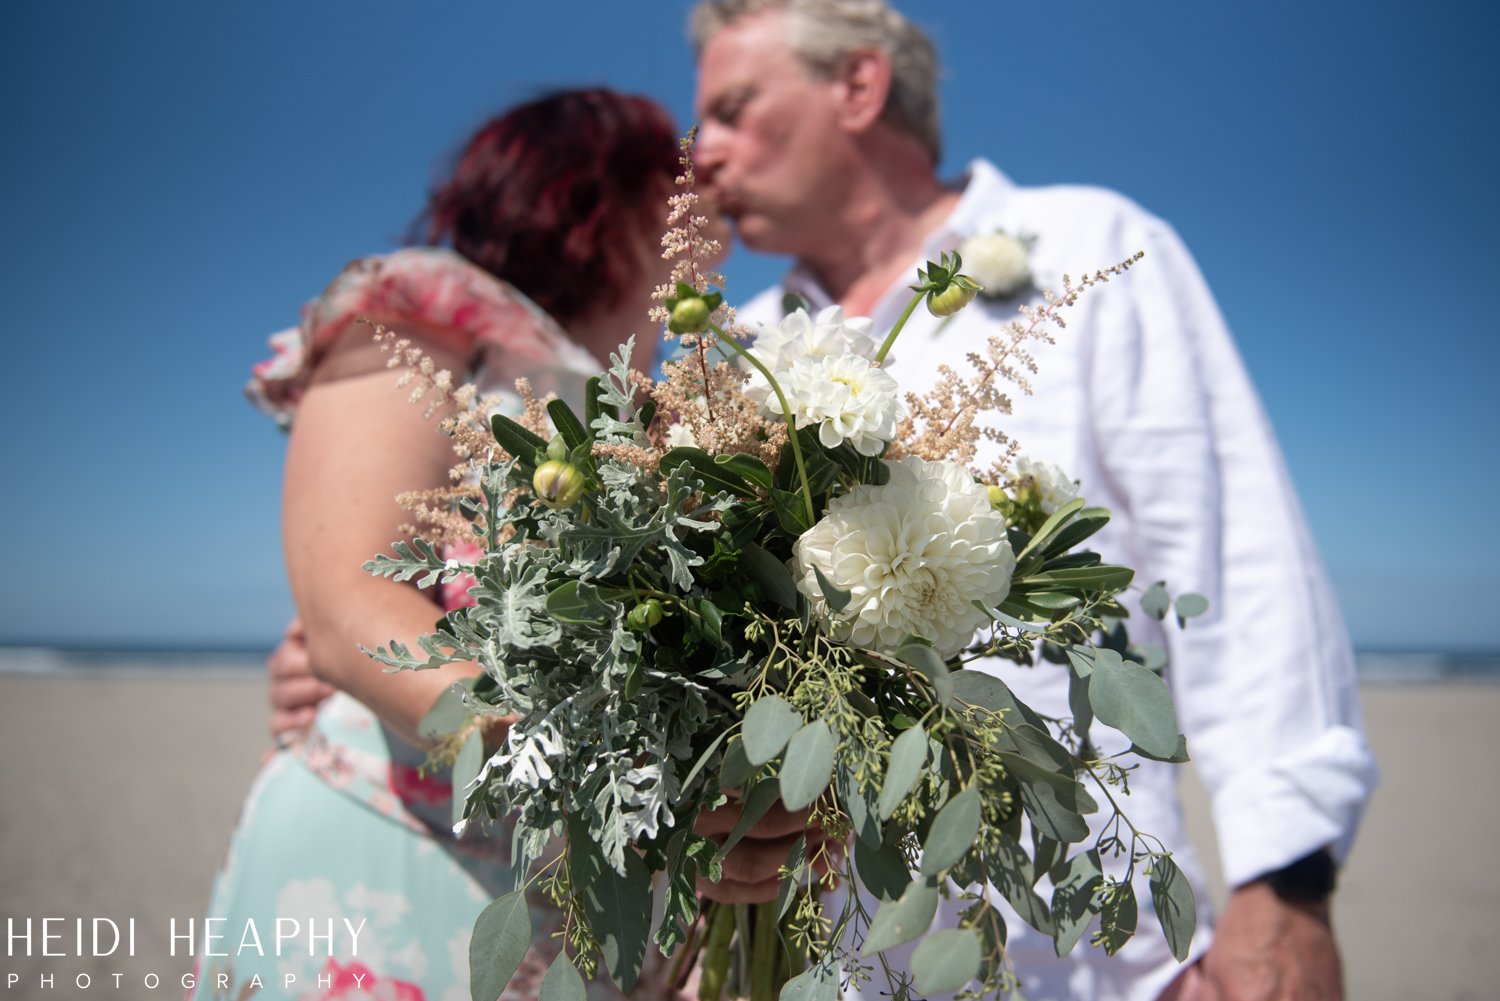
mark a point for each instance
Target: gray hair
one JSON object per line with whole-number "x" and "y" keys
{"x": 823, "y": 32}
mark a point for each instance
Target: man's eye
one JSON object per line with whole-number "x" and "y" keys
{"x": 729, "y": 112}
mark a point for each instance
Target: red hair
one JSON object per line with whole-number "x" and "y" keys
{"x": 552, "y": 196}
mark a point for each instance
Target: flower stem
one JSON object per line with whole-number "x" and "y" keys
{"x": 786, "y": 414}
{"x": 763, "y": 949}
{"x": 890, "y": 339}
{"x": 716, "y": 953}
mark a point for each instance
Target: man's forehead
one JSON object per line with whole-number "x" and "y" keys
{"x": 740, "y": 53}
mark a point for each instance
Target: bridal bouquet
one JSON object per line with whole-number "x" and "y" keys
{"x": 768, "y": 577}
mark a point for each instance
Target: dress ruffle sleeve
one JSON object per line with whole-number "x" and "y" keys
{"x": 432, "y": 289}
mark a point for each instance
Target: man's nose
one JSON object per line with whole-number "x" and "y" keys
{"x": 708, "y": 152}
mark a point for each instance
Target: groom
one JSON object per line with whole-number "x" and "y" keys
{"x": 819, "y": 139}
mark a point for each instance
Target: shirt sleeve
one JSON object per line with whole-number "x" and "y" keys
{"x": 1264, "y": 682}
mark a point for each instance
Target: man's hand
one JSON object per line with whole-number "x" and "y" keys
{"x": 294, "y": 693}
{"x": 751, "y": 867}
{"x": 1269, "y": 949}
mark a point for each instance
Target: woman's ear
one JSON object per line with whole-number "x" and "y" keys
{"x": 862, "y": 84}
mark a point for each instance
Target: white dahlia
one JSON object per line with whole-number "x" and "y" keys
{"x": 913, "y": 553}
{"x": 1052, "y": 485}
{"x": 845, "y": 397}
{"x": 799, "y": 336}
{"x": 998, "y": 261}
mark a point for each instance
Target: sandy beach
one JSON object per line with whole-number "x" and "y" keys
{"x": 120, "y": 791}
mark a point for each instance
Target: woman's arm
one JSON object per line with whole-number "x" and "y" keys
{"x": 356, "y": 444}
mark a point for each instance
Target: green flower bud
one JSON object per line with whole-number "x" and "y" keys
{"x": 644, "y": 615}
{"x": 557, "y": 448}
{"x": 955, "y": 295}
{"x": 690, "y": 316}
{"x": 998, "y": 496}
{"x": 558, "y": 484}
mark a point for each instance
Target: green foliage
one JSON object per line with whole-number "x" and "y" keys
{"x": 953, "y": 832}
{"x": 903, "y": 919}
{"x": 1172, "y": 900}
{"x": 908, "y": 758}
{"x": 946, "y": 960}
{"x": 501, "y": 936}
{"x": 809, "y": 765}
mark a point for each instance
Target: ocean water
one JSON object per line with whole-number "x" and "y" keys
{"x": 98, "y": 661}
{"x": 1375, "y": 666}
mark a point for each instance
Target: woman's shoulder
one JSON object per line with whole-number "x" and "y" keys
{"x": 451, "y": 302}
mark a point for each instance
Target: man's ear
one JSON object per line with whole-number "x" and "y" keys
{"x": 862, "y": 83}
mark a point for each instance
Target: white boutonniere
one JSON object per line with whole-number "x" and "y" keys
{"x": 999, "y": 261}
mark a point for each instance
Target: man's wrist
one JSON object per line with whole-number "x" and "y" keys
{"x": 1309, "y": 880}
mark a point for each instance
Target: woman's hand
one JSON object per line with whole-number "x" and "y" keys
{"x": 752, "y": 867}
{"x": 294, "y": 693}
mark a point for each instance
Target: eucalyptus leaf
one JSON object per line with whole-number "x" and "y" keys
{"x": 837, "y": 599}
{"x": 465, "y": 769}
{"x": 1079, "y": 706}
{"x": 757, "y": 803}
{"x": 1011, "y": 871}
{"x": 1073, "y": 885}
{"x": 882, "y": 869}
{"x": 502, "y": 934}
{"x": 562, "y": 982}
{"x": 860, "y": 804}
{"x": 736, "y": 768}
{"x": 908, "y": 757}
{"x": 902, "y": 920}
{"x": 1055, "y": 805}
{"x": 1156, "y": 602}
{"x": 1134, "y": 701}
{"x": 1150, "y": 656}
{"x": 1038, "y": 747}
{"x": 1118, "y": 916}
{"x": 926, "y": 662}
{"x": 808, "y": 767}
{"x": 946, "y": 960}
{"x": 769, "y": 724}
{"x": 447, "y": 714}
{"x": 1176, "y": 910}
{"x": 819, "y": 982}
{"x": 1045, "y": 852}
{"x": 1177, "y": 757}
{"x": 796, "y": 859}
{"x": 703, "y": 760}
{"x": 1189, "y": 606}
{"x": 953, "y": 832}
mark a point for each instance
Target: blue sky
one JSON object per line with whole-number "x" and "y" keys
{"x": 178, "y": 177}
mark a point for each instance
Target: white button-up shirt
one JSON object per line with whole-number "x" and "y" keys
{"x": 1144, "y": 400}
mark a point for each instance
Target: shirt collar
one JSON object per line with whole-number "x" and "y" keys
{"x": 985, "y": 189}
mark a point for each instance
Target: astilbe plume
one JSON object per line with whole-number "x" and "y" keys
{"x": 944, "y": 424}
{"x": 438, "y": 514}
